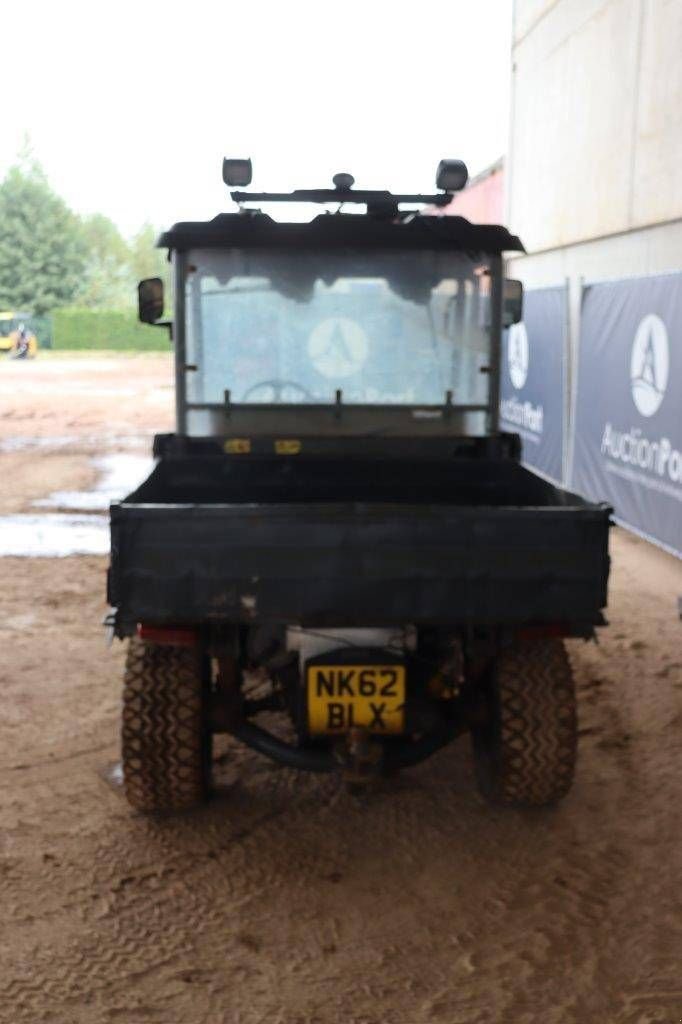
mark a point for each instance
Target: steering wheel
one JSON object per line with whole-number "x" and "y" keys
{"x": 277, "y": 389}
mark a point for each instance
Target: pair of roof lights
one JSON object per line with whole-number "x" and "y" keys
{"x": 451, "y": 175}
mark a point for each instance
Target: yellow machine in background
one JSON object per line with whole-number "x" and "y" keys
{"x": 10, "y": 323}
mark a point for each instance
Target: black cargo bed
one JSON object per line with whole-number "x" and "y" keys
{"x": 347, "y": 542}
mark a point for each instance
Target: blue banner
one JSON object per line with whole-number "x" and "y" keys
{"x": 532, "y": 380}
{"x": 628, "y": 407}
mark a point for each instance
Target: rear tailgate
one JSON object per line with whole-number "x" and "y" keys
{"x": 350, "y": 563}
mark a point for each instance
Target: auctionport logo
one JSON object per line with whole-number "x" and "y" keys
{"x": 528, "y": 418}
{"x": 649, "y": 371}
{"x": 518, "y": 355}
{"x": 649, "y": 365}
{"x": 338, "y": 347}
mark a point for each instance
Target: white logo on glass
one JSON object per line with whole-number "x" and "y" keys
{"x": 338, "y": 347}
{"x": 517, "y": 355}
{"x": 649, "y": 365}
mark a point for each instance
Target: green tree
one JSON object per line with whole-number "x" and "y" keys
{"x": 108, "y": 282}
{"x": 42, "y": 250}
{"x": 145, "y": 259}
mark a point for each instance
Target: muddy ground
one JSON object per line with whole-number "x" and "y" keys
{"x": 286, "y": 900}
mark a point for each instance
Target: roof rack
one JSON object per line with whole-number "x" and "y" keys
{"x": 378, "y": 203}
{"x": 451, "y": 176}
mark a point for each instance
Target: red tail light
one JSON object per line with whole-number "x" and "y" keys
{"x": 177, "y": 636}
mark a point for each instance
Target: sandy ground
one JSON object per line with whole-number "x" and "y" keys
{"x": 62, "y": 397}
{"x": 286, "y": 900}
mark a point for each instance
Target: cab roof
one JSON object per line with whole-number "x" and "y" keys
{"x": 251, "y": 228}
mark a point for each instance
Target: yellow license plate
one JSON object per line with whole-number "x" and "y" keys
{"x": 343, "y": 696}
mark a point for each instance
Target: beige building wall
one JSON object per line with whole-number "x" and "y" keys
{"x": 596, "y": 121}
{"x": 594, "y": 165}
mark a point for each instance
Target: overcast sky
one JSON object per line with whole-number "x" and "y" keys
{"x": 131, "y": 104}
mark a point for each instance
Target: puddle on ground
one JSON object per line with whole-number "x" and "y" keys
{"x": 18, "y": 623}
{"x": 74, "y": 532}
{"x": 54, "y": 535}
{"x": 119, "y": 475}
{"x": 77, "y": 442}
{"x": 112, "y": 774}
{"x": 27, "y": 444}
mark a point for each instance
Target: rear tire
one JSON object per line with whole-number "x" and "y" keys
{"x": 525, "y": 752}
{"x": 166, "y": 745}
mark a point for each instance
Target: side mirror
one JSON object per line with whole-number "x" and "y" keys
{"x": 512, "y": 302}
{"x": 150, "y": 300}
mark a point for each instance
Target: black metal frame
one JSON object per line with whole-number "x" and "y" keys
{"x": 379, "y": 203}
{"x": 346, "y": 419}
{"x": 254, "y": 229}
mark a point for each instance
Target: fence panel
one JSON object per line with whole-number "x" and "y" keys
{"x": 532, "y": 384}
{"x": 628, "y": 404}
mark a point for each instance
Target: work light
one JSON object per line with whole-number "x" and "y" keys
{"x": 237, "y": 173}
{"x": 451, "y": 175}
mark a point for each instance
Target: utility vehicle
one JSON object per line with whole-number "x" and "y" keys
{"x": 338, "y": 558}
{"x": 11, "y": 325}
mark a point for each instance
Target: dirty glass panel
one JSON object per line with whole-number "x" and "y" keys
{"x": 382, "y": 328}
